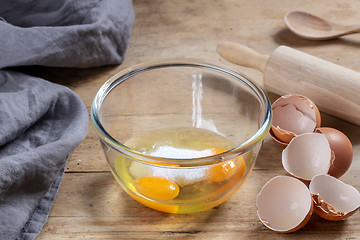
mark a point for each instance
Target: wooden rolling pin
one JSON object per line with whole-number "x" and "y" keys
{"x": 334, "y": 89}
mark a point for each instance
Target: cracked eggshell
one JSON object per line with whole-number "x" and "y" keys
{"x": 293, "y": 115}
{"x": 342, "y": 149}
{"x": 284, "y": 204}
{"x": 307, "y": 155}
{"x": 333, "y": 199}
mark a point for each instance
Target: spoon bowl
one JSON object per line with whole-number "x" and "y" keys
{"x": 312, "y": 27}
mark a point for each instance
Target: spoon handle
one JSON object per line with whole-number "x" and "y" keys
{"x": 354, "y": 29}
{"x": 342, "y": 31}
{"x": 242, "y": 55}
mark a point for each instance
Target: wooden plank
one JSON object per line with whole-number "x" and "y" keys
{"x": 166, "y": 227}
{"x": 92, "y": 205}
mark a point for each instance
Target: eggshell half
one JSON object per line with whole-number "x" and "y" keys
{"x": 333, "y": 199}
{"x": 342, "y": 148}
{"x": 293, "y": 115}
{"x": 284, "y": 204}
{"x": 307, "y": 155}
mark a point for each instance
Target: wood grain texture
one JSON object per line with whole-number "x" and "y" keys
{"x": 91, "y": 205}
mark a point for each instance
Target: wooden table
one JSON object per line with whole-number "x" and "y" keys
{"x": 91, "y": 205}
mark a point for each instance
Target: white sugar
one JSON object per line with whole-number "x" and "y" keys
{"x": 182, "y": 176}
{"x": 180, "y": 153}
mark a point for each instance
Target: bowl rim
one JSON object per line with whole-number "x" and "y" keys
{"x": 127, "y": 73}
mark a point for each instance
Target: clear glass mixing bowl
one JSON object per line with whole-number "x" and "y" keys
{"x": 181, "y": 135}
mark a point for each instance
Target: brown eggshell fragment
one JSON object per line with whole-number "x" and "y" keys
{"x": 282, "y": 137}
{"x": 333, "y": 199}
{"x": 307, "y": 155}
{"x": 293, "y": 115}
{"x": 342, "y": 148}
{"x": 284, "y": 204}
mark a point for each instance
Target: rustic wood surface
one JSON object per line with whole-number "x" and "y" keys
{"x": 91, "y": 205}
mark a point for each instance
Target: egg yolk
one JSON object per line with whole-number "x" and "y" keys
{"x": 157, "y": 188}
{"x": 169, "y": 208}
{"x": 223, "y": 171}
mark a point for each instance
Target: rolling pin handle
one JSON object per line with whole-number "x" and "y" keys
{"x": 242, "y": 55}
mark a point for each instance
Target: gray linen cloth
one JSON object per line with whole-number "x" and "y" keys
{"x": 42, "y": 122}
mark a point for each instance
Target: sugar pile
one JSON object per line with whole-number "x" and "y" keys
{"x": 182, "y": 176}
{"x": 180, "y": 153}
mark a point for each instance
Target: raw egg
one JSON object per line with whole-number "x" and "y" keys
{"x": 334, "y": 200}
{"x": 284, "y": 204}
{"x": 221, "y": 171}
{"x": 293, "y": 115}
{"x": 157, "y": 188}
{"x": 163, "y": 207}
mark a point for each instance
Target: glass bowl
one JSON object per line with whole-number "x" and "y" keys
{"x": 181, "y": 135}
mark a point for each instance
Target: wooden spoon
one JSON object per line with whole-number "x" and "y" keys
{"x": 312, "y": 27}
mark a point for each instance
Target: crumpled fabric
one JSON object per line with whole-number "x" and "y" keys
{"x": 42, "y": 122}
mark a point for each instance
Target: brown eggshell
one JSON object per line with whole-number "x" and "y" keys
{"x": 342, "y": 148}
{"x": 306, "y": 156}
{"x": 293, "y": 115}
{"x": 281, "y": 136}
{"x": 284, "y": 204}
{"x": 333, "y": 199}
